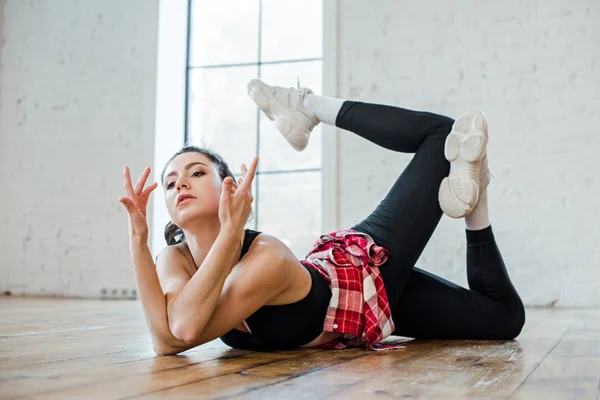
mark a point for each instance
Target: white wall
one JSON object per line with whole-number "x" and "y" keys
{"x": 77, "y": 98}
{"x": 534, "y": 68}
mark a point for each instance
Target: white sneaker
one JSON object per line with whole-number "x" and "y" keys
{"x": 484, "y": 176}
{"x": 285, "y": 107}
{"x": 466, "y": 149}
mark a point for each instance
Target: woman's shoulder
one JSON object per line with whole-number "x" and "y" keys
{"x": 262, "y": 244}
{"x": 176, "y": 255}
{"x": 175, "y": 251}
{"x": 271, "y": 258}
{"x": 265, "y": 243}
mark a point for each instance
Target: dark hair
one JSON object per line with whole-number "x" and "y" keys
{"x": 173, "y": 233}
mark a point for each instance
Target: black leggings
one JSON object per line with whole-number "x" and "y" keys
{"x": 424, "y": 305}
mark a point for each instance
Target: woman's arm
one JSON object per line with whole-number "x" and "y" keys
{"x": 257, "y": 278}
{"x": 191, "y": 309}
{"x": 193, "y": 305}
{"x": 152, "y": 297}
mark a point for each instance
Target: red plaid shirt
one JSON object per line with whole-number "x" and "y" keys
{"x": 359, "y": 306}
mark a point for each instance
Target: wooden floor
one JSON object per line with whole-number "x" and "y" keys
{"x": 82, "y": 349}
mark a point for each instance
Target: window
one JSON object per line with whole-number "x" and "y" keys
{"x": 279, "y": 41}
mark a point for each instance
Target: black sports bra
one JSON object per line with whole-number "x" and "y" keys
{"x": 286, "y": 326}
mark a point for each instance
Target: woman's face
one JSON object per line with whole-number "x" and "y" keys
{"x": 192, "y": 188}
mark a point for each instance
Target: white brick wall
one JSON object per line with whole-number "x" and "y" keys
{"x": 534, "y": 68}
{"x": 77, "y": 91}
{"x": 77, "y": 82}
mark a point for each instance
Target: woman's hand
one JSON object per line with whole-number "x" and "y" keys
{"x": 236, "y": 202}
{"x": 135, "y": 202}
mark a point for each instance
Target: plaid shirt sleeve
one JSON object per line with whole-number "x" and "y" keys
{"x": 359, "y": 308}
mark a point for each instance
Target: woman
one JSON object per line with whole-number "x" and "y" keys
{"x": 355, "y": 287}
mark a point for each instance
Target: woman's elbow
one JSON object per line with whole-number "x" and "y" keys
{"x": 164, "y": 349}
{"x": 184, "y": 332}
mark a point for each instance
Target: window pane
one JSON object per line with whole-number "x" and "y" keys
{"x": 221, "y": 114}
{"x": 276, "y": 153}
{"x": 292, "y": 29}
{"x": 290, "y": 209}
{"x": 224, "y": 32}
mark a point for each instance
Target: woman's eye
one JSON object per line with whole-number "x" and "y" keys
{"x": 198, "y": 173}
{"x": 170, "y": 185}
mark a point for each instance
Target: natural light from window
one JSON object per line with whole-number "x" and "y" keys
{"x": 279, "y": 41}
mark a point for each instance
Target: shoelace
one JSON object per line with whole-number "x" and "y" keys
{"x": 291, "y": 87}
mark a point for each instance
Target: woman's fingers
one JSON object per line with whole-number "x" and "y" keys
{"x": 142, "y": 181}
{"x": 244, "y": 170}
{"x": 249, "y": 176}
{"x": 146, "y": 193}
{"x": 226, "y": 189}
{"x": 139, "y": 191}
{"x": 129, "y": 205}
{"x": 233, "y": 187}
{"x": 127, "y": 178}
{"x": 149, "y": 189}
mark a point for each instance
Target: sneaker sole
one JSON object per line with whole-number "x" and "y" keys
{"x": 281, "y": 114}
{"x": 465, "y": 147}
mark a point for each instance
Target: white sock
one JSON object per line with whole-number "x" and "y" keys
{"x": 326, "y": 108}
{"x": 479, "y": 218}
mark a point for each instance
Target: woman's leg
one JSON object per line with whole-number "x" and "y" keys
{"x": 424, "y": 305}
{"x": 398, "y": 129}
{"x": 405, "y": 220}
{"x": 433, "y": 308}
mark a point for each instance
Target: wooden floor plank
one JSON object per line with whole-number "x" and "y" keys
{"x": 570, "y": 371}
{"x": 417, "y": 378}
{"x": 159, "y": 377}
{"x": 55, "y": 380}
{"x": 21, "y": 358}
{"x": 500, "y": 371}
{"x": 253, "y": 378}
{"x": 458, "y": 362}
{"x": 336, "y": 379}
{"x": 73, "y": 349}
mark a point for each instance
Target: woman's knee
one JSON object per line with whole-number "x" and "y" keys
{"x": 443, "y": 127}
{"x": 515, "y": 320}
